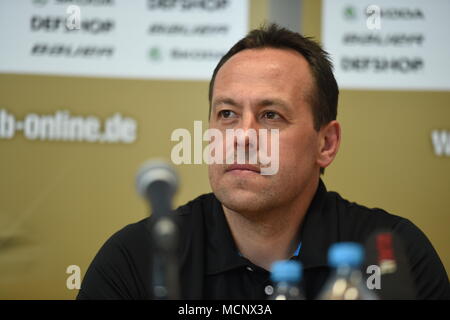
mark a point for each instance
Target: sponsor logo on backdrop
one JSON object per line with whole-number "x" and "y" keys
{"x": 388, "y": 44}
{"x": 374, "y": 14}
{"x": 188, "y": 5}
{"x": 70, "y": 24}
{"x": 155, "y": 39}
{"x": 177, "y": 29}
{"x": 373, "y": 39}
{"x": 96, "y": 3}
{"x": 381, "y": 64}
{"x": 40, "y": 3}
{"x": 351, "y": 13}
{"x": 195, "y": 54}
{"x": 71, "y": 51}
{"x": 86, "y": 2}
{"x": 157, "y": 54}
{"x": 398, "y": 13}
{"x": 63, "y": 126}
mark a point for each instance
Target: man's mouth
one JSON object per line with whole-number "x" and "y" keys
{"x": 243, "y": 168}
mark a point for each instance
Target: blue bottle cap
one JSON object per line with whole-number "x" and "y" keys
{"x": 286, "y": 271}
{"x": 345, "y": 254}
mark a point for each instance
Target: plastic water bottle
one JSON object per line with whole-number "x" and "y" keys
{"x": 346, "y": 281}
{"x": 286, "y": 276}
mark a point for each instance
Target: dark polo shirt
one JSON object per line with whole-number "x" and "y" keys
{"x": 212, "y": 268}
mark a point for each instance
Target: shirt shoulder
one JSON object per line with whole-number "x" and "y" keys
{"x": 117, "y": 270}
{"x": 134, "y": 234}
{"x": 121, "y": 268}
{"x": 357, "y": 222}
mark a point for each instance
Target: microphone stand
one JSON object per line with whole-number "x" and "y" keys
{"x": 157, "y": 182}
{"x": 165, "y": 238}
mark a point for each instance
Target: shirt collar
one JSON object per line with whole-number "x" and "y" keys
{"x": 319, "y": 229}
{"x": 297, "y": 251}
{"x": 318, "y": 232}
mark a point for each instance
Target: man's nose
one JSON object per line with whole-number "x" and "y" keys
{"x": 247, "y": 129}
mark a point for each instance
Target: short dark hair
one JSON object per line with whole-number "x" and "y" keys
{"x": 324, "y": 99}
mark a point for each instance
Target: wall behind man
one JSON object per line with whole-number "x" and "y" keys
{"x": 387, "y": 158}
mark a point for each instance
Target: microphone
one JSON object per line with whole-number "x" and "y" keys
{"x": 157, "y": 182}
{"x": 385, "y": 250}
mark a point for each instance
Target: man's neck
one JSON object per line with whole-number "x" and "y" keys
{"x": 272, "y": 235}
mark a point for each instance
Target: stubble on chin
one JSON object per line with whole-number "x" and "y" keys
{"x": 242, "y": 200}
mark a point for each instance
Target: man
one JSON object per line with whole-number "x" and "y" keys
{"x": 271, "y": 79}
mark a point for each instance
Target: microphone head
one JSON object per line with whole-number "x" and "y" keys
{"x": 156, "y": 171}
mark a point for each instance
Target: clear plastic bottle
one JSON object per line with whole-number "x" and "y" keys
{"x": 286, "y": 276}
{"x": 346, "y": 281}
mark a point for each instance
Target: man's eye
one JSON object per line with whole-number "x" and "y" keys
{"x": 226, "y": 114}
{"x": 271, "y": 115}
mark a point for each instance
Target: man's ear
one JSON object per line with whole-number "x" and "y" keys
{"x": 329, "y": 141}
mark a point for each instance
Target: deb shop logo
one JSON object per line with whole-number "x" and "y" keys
{"x": 71, "y": 22}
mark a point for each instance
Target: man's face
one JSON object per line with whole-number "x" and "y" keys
{"x": 266, "y": 89}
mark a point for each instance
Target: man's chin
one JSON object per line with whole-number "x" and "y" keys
{"x": 241, "y": 201}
